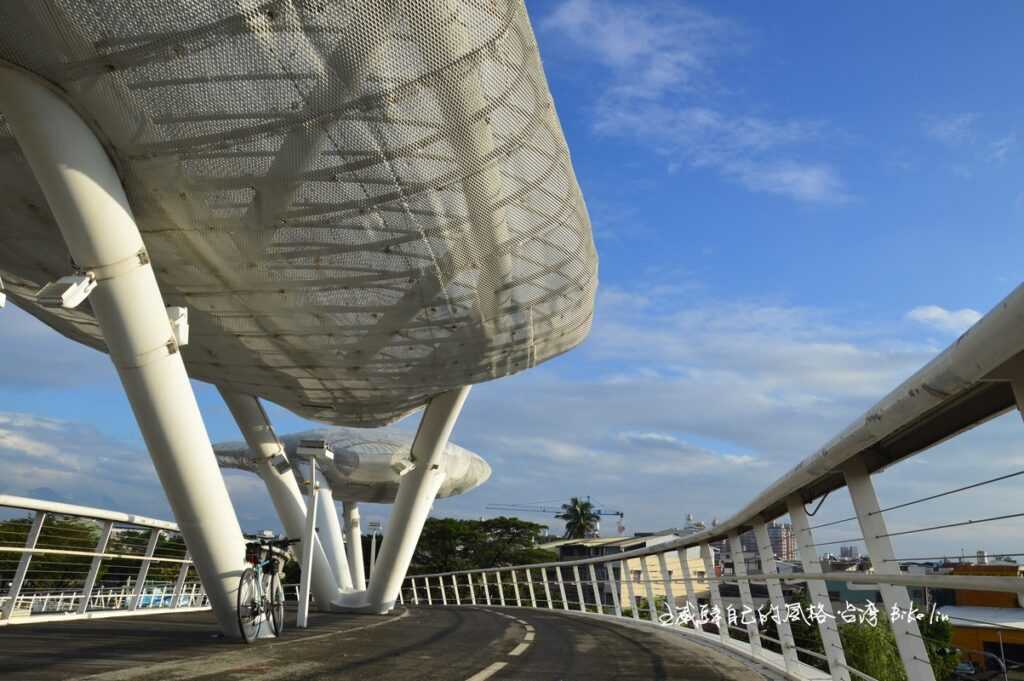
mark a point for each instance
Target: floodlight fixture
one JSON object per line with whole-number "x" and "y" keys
{"x": 314, "y": 449}
{"x": 178, "y": 317}
{"x": 68, "y": 292}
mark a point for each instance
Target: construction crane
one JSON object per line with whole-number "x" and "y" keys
{"x": 535, "y": 508}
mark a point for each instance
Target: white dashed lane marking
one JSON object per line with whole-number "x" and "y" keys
{"x": 488, "y": 672}
{"x": 496, "y": 667}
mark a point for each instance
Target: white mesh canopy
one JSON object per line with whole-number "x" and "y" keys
{"x": 362, "y": 204}
{"x": 366, "y": 463}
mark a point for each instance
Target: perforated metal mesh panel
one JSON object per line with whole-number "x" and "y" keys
{"x": 365, "y": 462}
{"x": 362, "y": 204}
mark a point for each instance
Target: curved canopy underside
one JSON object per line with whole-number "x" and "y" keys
{"x": 362, "y": 204}
{"x": 367, "y": 463}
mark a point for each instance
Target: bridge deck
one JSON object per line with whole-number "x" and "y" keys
{"x": 460, "y": 644}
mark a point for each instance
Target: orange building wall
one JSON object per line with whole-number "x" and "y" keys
{"x": 972, "y": 638}
{"x": 988, "y": 599}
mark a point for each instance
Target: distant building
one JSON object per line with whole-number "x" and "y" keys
{"x": 989, "y": 621}
{"x": 783, "y": 540}
{"x": 849, "y": 552}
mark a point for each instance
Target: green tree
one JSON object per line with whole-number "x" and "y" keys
{"x": 448, "y": 544}
{"x": 580, "y": 518}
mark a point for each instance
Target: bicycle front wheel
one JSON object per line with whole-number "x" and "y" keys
{"x": 275, "y": 602}
{"x": 249, "y": 615}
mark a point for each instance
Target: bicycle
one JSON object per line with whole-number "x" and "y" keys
{"x": 260, "y": 594}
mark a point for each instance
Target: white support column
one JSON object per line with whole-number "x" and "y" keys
{"x": 872, "y": 526}
{"x": 627, "y": 577}
{"x": 329, "y": 533}
{"x": 691, "y": 592}
{"x": 274, "y": 469}
{"x": 529, "y": 584}
{"x": 87, "y": 199}
{"x": 515, "y": 589}
{"x": 817, "y": 590}
{"x": 645, "y": 575}
{"x": 487, "y": 589}
{"x": 593, "y": 587}
{"x": 768, "y": 567}
{"x": 179, "y": 584}
{"x": 501, "y": 590}
{"x": 613, "y": 587}
{"x": 455, "y": 588}
{"x": 739, "y": 568}
{"x": 373, "y": 551}
{"x": 579, "y": 587}
{"x": 472, "y": 592}
{"x": 716, "y": 597}
{"x": 416, "y": 494}
{"x": 106, "y": 527}
{"x": 308, "y": 545}
{"x": 547, "y": 588}
{"x": 140, "y": 578}
{"x": 354, "y": 535}
{"x": 561, "y": 588}
{"x": 31, "y": 540}
{"x": 666, "y": 581}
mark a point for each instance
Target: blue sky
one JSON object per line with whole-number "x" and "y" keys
{"x": 795, "y": 206}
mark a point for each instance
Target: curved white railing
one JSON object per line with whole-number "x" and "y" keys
{"x": 109, "y": 571}
{"x": 977, "y": 378}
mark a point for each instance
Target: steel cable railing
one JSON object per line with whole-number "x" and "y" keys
{"x": 675, "y": 582}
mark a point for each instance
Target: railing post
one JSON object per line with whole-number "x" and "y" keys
{"x": 817, "y": 589}
{"x": 768, "y": 567}
{"x": 739, "y": 568}
{"x": 26, "y": 558}
{"x": 646, "y": 576}
{"x": 179, "y": 585}
{"x": 444, "y": 597}
{"x": 627, "y": 577}
{"x": 666, "y": 581}
{"x": 90, "y": 579}
{"x": 415, "y": 594}
{"x": 547, "y": 589}
{"x": 472, "y": 592}
{"x": 579, "y": 587}
{"x": 593, "y": 587}
{"x": 529, "y": 583}
{"x": 879, "y": 547}
{"x": 140, "y": 578}
{"x": 487, "y": 589}
{"x": 455, "y": 588}
{"x": 716, "y": 597}
{"x": 515, "y": 589}
{"x": 561, "y": 587}
{"x": 691, "y": 591}
{"x": 501, "y": 588}
{"x": 613, "y": 587}
{"x": 426, "y": 585}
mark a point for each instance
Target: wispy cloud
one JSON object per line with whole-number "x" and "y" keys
{"x": 1002, "y": 147}
{"x": 951, "y": 129}
{"x": 952, "y": 321}
{"x": 661, "y": 59}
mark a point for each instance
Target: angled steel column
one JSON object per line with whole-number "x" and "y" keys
{"x": 529, "y": 585}
{"x": 817, "y": 590}
{"x": 273, "y": 467}
{"x": 179, "y": 585}
{"x": 455, "y": 588}
{"x": 140, "y": 578}
{"x": 645, "y": 575}
{"x": 612, "y": 586}
{"x": 472, "y": 592}
{"x": 691, "y": 592}
{"x": 354, "y": 535}
{"x": 515, "y": 589}
{"x": 308, "y": 544}
{"x": 716, "y": 597}
{"x": 876, "y": 539}
{"x": 666, "y": 583}
{"x": 487, "y": 589}
{"x": 627, "y": 577}
{"x": 739, "y": 568}
{"x": 89, "y": 203}
{"x": 501, "y": 589}
{"x": 107, "y": 527}
{"x": 329, "y": 533}
{"x": 579, "y": 587}
{"x": 547, "y": 588}
{"x": 416, "y": 493}
{"x": 593, "y": 587}
{"x": 768, "y": 567}
{"x": 26, "y": 559}
{"x": 561, "y": 588}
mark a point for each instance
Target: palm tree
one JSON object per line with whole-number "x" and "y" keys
{"x": 580, "y": 519}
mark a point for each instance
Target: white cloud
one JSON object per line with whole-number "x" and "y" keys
{"x": 952, "y": 129}
{"x": 661, "y": 58}
{"x": 954, "y": 321}
{"x": 1002, "y": 147}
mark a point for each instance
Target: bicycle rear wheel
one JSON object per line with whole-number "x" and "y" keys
{"x": 275, "y": 602}
{"x": 249, "y": 606}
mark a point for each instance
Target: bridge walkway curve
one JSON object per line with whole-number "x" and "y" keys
{"x": 418, "y": 643}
